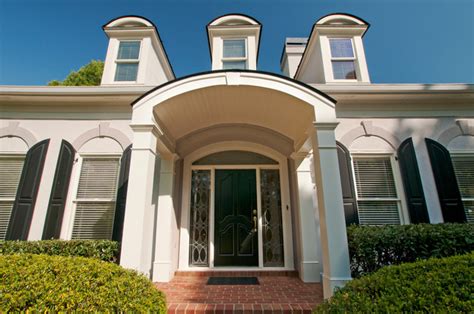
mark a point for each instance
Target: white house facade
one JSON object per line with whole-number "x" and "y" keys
{"x": 235, "y": 168}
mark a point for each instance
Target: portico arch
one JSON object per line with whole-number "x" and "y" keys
{"x": 182, "y": 119}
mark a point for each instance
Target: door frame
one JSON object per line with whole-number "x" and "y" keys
{"x": 186, "y": 204}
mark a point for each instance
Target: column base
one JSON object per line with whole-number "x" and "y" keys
{"x": 329, "y": 284}
{"x": 310, "y": 271}
{"x": 162, "y": 271}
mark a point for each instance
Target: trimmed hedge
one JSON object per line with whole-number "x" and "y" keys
{"x": 43, "y": 283}
{"x": 372, "y": 247}
{"x": 437, "y": 285}
{"x": 100, "y": 249}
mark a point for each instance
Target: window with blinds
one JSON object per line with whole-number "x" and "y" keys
{"x": 95, "y": 198}
{"x": 464, "y": 170}
{"x": 377, "y": 198}
{"x": 10, "y": 173}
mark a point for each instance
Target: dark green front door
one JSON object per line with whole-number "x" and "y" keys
{"x": 235, "y": 237}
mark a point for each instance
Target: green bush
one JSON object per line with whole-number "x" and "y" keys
{"x": 436, "y": 285}
{"x": 372, "y": 247}
{"x": 101, "y": 249}
{"x": 43, "y": 283}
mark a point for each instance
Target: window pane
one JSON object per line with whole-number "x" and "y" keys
{"x": 344, "y": 70}
{"x": 227, "y": 65}
{"x": 94, "y": 220}
{"x": 464, "y": 170}
{"x": 235, "y": 157}
{"x": 98, "y": 178}
{"x": 128, "y": 50}
{"x": 5, "y": 213}
{"x": 199, "y": 235}
{"x": 126, "y": 72}
{"x": 234, "y": 48}
{"x": 272, "y": 228}
{"x": 10, "y": 173}
{"x": 341, "y": 48}
{"x": 374, "y": 178}
{"x": 378, "y": 212}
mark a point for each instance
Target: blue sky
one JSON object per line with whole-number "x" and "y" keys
{"x": 409, "y": 41}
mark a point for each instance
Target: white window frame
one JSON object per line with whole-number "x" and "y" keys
{"x": 128, "y": 61}
{"x": 400, "y": 199}
{"x": 335, "y": 59}
{"x": 77, "y": 175}
{"x": 223, "y": 59}
{"x": 13, "y": 156}
{"x": 455, "y": 153}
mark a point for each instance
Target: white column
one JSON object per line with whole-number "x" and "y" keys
{"x": 44, "y": 192}
{"x": 335, "y": 252}
{"x": 167, "y": 229}
{"x": 427, "y": 179}
{"x": 138, "y": 229}
{"x": 310, "y": 242}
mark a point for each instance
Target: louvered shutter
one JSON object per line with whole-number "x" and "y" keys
{"x": 22, "y": 211}
{"x": 464, "y": 170}
{"x": 95, "y": 202}
{"x": 57, "y": 201}
{"x": 10, "y": 173}
{"x": 122, "y": 194}
{"x": 412, "y": 183}
{"x": 377, "y": 198}
{"x": 446, "y": 183}
{"x": 347, "y": 184}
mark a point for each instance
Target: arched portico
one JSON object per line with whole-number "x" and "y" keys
{"x": 179, "y": 120}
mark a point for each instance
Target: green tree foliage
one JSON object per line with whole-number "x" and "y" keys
{"x": 88, "y": 75}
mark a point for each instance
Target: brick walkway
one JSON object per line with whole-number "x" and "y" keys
{"x": 278, "y": 292}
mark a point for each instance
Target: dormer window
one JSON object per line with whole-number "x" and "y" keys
{"x": 342, "y": 59}
{"x": 234, "y": 54}
{"x": 127, "y": 61}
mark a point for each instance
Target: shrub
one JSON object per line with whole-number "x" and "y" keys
{"x": 42, "y": 283}
{"x": 436, "y": 285}
{"x": 100, "y": 249}
{"x": 372, "y": 247}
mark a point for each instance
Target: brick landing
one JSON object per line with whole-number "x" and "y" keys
{"x": 278, "y": 292}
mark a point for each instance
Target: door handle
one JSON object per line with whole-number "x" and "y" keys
{"x": 254, "y": 220}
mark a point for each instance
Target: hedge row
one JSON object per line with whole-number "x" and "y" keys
{"x": 43, "y": 283}
{"x": 444, "y": 285}
{"x": 372, "y": 247}
{"x": 100, "y": 249}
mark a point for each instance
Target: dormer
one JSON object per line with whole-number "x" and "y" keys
{"x": 135, "y": 55}
{"x": 234, "y": 42}
{"x": 335, "y": 52}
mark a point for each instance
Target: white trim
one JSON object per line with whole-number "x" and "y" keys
{"x": 186, "y": 203}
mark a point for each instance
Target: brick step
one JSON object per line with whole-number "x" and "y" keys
{"x": 244, "y": 273}
{"x": 200, "y": 308}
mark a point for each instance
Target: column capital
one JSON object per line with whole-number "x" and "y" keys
{"x": 146, "y": 127}
{"x": 325, "y": 126}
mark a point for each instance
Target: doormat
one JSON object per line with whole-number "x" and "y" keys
{"x": 233, "y": 281}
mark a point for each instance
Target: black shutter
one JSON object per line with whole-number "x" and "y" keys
{"x": 22, "y": 211}
{"x": 57, "y": 201}
{"x": 446, "y": 183}
{"x": 121, "y": 194}
{"x": 412, "y": 183}
{"x": 347, "y": 182}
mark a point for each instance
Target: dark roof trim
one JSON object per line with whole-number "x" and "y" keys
{"x": 244, "y": 15}
{"x": 228, "y": 14}
{"x": 157, "y": 33}
{"x": 236, "y": 70}
{"x": 312, "y": 31}
{"x": 346, "y": 14}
